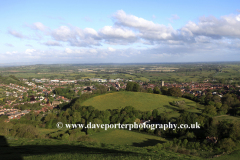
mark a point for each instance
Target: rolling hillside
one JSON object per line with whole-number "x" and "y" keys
{"x": 140, "y": 101}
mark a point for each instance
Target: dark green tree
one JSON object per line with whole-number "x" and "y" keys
{"x": 136, "y": 87}
{"x": 175, "y": 91}
{"x": 129, "y": 86}
{"x": 156, "y": 90}
{"x": 164, "y": 90}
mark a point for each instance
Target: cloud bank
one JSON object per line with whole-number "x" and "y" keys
{"x": 207, "y": 35}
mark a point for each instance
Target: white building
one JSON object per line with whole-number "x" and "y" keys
{"x": 54, "y": 81}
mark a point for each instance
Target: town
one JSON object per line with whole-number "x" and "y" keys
{"x": 41, "y": 91}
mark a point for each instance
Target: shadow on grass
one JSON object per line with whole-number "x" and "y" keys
{"x": 200, "y": 109}
{"x": 18, "y": 152}
{"x": 191, "y": 106}
{"x": 7, "y": 152}
{"x": 149, "y": 142}
{"x": 170, "y": 107}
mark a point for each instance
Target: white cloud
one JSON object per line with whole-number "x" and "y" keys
{"x": 111, "y": 49}
{"x": 132, "y": 21}
{"x": 226, "y": 26}
{"x": 207, "y": 35}
{"x": 147, "y": 29}
{"x": 16, "y": 34}
{"x": 93, "y": 50}
{"x": 39, "y": 26}
{"x": 113, "y": 32}
{"x": 68, "y": 50}
{"x": 91, "y": 31}
{"x": 76, "y": 36}
{"x": 11, "y": 53}
{"x": 9, "y": 45}
{"x": 238, "y": 18}
{"x": 203, "y": 39}
{"x": 63, "y": 33}
{"x": 158, "y": 53}
{"x": 30, "y": 51}
{"x": 52, "y": 43}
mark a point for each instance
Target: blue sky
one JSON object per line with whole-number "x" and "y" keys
{"x": 119, "y": 31}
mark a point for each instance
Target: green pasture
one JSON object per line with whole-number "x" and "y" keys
{"x": 232, "y": 156}
{"x": 45, "y": 131}
{"x": 144, "y": 76}
{"x": 126, "y": 137}
{"x": 194, "y": 74}
{"x": 140, "y": 101}
{"x": 53, "y": 149}
{"x": 226, "y": 117}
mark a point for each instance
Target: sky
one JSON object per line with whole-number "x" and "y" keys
{"x": 142, "y": 31}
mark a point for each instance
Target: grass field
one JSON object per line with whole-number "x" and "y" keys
{"x": 155, "y": 73}
{"x": 125, "y": 137}
{"x": 46, "y": 72}
{"x": 140, "y": 101}
{"x": 52, "y": 149}
{"x": 227, "y": 117}
{"x": 116, "y": 137}
{"x": 44, "y": 131}
{"x": 232, "y": 156}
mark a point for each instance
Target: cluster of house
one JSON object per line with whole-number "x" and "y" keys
{"x": 52, "y": 82}
{"x": 14, "y": 94}
{"x": 46, "y": 108}
{"x": 30, "y": 84}
{"x": 88, "y": 89}
{"x": 59, "y": 98}
{"x": 98, "y": 80}
{"x": 15, "y": 87}
{"x": 47, "y": 89}
{"x": 64, "y": 82}
{"x": 105, "y": 80}
{"x": 21, "y": 89}
{"x": 199, "y": 89}
{"x": 196, "y": 89}
{"x": 13, "y": 113}
{"x": 40, "y": 80}
{"x": 42, "y": 100}
{"x": 116, "y": 85}
{"x": 11, "y": 104}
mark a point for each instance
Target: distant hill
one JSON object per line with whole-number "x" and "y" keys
{"x": 140, "y": 101}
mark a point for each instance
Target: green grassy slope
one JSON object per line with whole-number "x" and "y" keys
{"x": 125, "y": 137}
{"x": 139, "y": 100}
{"x": 51, "y": 149}
{"x": 232, "y": 156}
